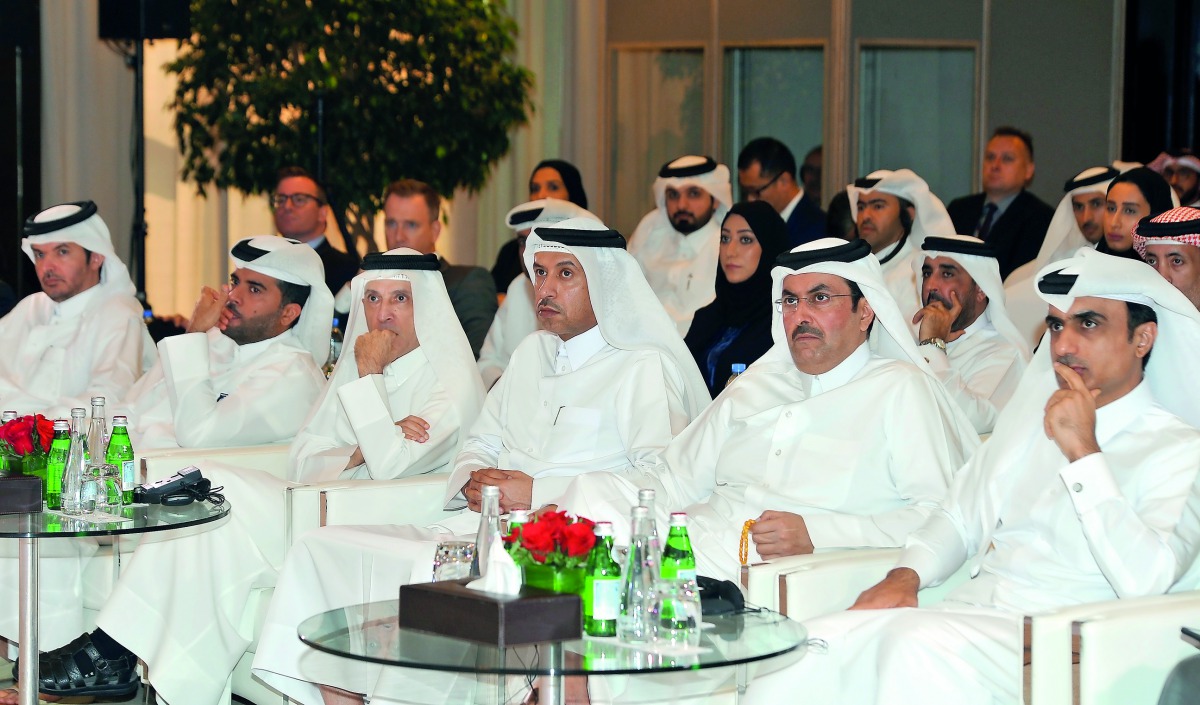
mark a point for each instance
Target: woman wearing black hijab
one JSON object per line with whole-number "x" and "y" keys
{"x": 1132, "y": 196}
{"x": 736, "y": 326}
{"x": 551, "y": 178}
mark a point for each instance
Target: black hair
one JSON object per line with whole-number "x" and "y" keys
{"x": 773, "y": 157}
{"x": 290, "y": 293}
{"x": 856, "y": 295}
{"x": 1139, "y": 314}
{"x": 906, "y": 218}
{"x": 1153, "y": 186}
{"x": 1010, "y": 131}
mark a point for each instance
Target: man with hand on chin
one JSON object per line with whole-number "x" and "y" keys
{"x": 964, "y": 330}
{"x": 247, "y": 370}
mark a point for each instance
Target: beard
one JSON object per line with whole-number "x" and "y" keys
{"x": 966, "y": 316}
{"x": 251, "y": 330}
{"x": 686, "y": 222}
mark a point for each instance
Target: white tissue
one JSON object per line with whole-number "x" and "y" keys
{"x": 501, "y": 575}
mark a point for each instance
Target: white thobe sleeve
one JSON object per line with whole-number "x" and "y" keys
{"x": 984, "y": 393}
{"x": 485, "y": 441}
{"x": 114, "y": 341}
{"x": 268, "y": 407}
{"x": 1133, "y": 540}
{"x": 388, "y": 454}
{"x": 922, "y": 459}
{"x": 492, "y": 359}
{"x": 942, "y": 544}
{"x": 650, "y": 411}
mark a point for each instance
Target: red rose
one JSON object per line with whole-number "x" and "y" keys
{"x": 45, "y": 431}
{"x": 578, "y": 539}
{"x": 538, "y": 539}
{"x": 18, "y": 434}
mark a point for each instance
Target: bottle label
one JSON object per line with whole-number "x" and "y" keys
{"x": 606, "y": 598}
{"x": 686, "y": 574}
{"x": 127, "y": 478}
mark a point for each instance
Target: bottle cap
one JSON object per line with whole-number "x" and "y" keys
{"x": 9, "y": 415}
{"x": 62, "y": 425}
{"x": 491, "y": 491}
{"x": 518, "y": 516}
{"x": 738, "y": 367}
{"x": 678, "y": 519}
{"x": 336, "y": 321}
{"x": 78, "y": 412}
{"x": 640, "y": 513}
{"x": 97, "y": 400}
{"x": 644, "y": 495}
{"x": 120, "y": 421}
{"x": 603, "y": 528}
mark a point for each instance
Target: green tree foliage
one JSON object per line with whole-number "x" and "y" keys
{"x": 410, "y": 88}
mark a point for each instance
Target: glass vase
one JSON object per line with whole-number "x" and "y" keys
{"x": 554, "y": 578}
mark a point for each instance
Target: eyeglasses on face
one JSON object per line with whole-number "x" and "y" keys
{"x": 756, "y": 193}
{"x": 819, "y": 300}
{"x": 299, "y": 200}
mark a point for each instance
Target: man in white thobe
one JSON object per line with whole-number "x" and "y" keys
{"x": 82, "y": 334}
{"x": 895, "y": 212}
{"x": 515, "y": 318}
{"x": 1078, "y": 221}
{"x": 964, "y": 332}
{"x": 677, "y": 243}
{"x": 180, "y": 600}
{"x": 1082, "y": 494}
{"x": 247, "y": 370}
{"x": 1170, "y": 242}
{"x": 601, "y": 388}
{"x": 839, "y": 437}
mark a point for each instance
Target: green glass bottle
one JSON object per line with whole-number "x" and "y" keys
{"x": 56, "y": 463}
{"x": 601, "y": 586}
{"x": 678, "y": 561}
{"x": 120, "y": 454}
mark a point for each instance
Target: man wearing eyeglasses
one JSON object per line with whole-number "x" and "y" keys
{"x": 840, "y": 435}
{"x": 767, "y": 172}
{"x": 299, "y": 204}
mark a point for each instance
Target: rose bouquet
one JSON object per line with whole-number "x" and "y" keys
{"x": 26, "y": 435}
{"x": 554, "y": 539}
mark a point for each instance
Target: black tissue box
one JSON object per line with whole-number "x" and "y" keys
{"x": 448, "y": 608}
{"x": 20, "y": 494}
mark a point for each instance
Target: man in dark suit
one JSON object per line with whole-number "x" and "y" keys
{"x": 411, "y": 209}
{"x": 767, "y": 172}
{"x": 299, "y": 203}
{"x": 1006, "y": 216}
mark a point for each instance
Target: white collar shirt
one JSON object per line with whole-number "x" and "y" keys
{"x": 681, "y": 269}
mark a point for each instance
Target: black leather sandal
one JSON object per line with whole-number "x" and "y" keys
{"x": 78, "y": 669}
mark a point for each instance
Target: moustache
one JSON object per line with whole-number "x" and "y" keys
{"x": 546, "y": 302}
{"x": 934, "y": 296}
{"x": 1069, "y": 361}
{"x": 805, "y": 329}
{"x": 232, "y": 308}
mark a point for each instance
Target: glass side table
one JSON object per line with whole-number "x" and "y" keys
{"x": 28, "y": 529}
{"x": 371, "y": 633}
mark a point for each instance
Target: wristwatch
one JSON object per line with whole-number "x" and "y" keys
{"x": 936, "y": 342}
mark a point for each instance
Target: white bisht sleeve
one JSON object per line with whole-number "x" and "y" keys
{"x": 268, "y": 407}
{"x": 983, "y": 391}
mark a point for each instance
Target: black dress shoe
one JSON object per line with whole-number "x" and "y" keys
{"x": 78, "y": 669}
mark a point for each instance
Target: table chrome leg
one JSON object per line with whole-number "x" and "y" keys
{"x": 551, "y": 692}
{"x": 28, "y": 601}
{"x": 742, "y": 681}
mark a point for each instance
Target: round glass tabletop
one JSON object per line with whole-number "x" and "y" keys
{"x": 135, "y": 519}
{"x": 371, "y": 633}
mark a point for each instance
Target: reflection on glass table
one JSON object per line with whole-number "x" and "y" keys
{"x": 371, "y": 633}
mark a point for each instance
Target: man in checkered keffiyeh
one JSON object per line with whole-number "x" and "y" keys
{"x": 1170, "y": 242}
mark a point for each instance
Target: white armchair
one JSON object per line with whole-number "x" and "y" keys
{"x": 1127, "y": 647}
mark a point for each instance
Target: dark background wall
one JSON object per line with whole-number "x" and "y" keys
{"x": 1161, "y": 78}
{"x": 20, "y": 134}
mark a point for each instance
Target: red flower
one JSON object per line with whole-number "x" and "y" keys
{"x": 18, "y": 433}
{"x": 45, "y": 430}
{"x": 578, "y": 539}
{"x": 538, "y": 538}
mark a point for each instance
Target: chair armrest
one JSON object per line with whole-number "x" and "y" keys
{"x": 764, "y": 583}
{"x": 158, "y": 464}
{"x": 1127, "y": 648}
{"x": 821, "y": 583}
{"x": 411, "y": 500}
